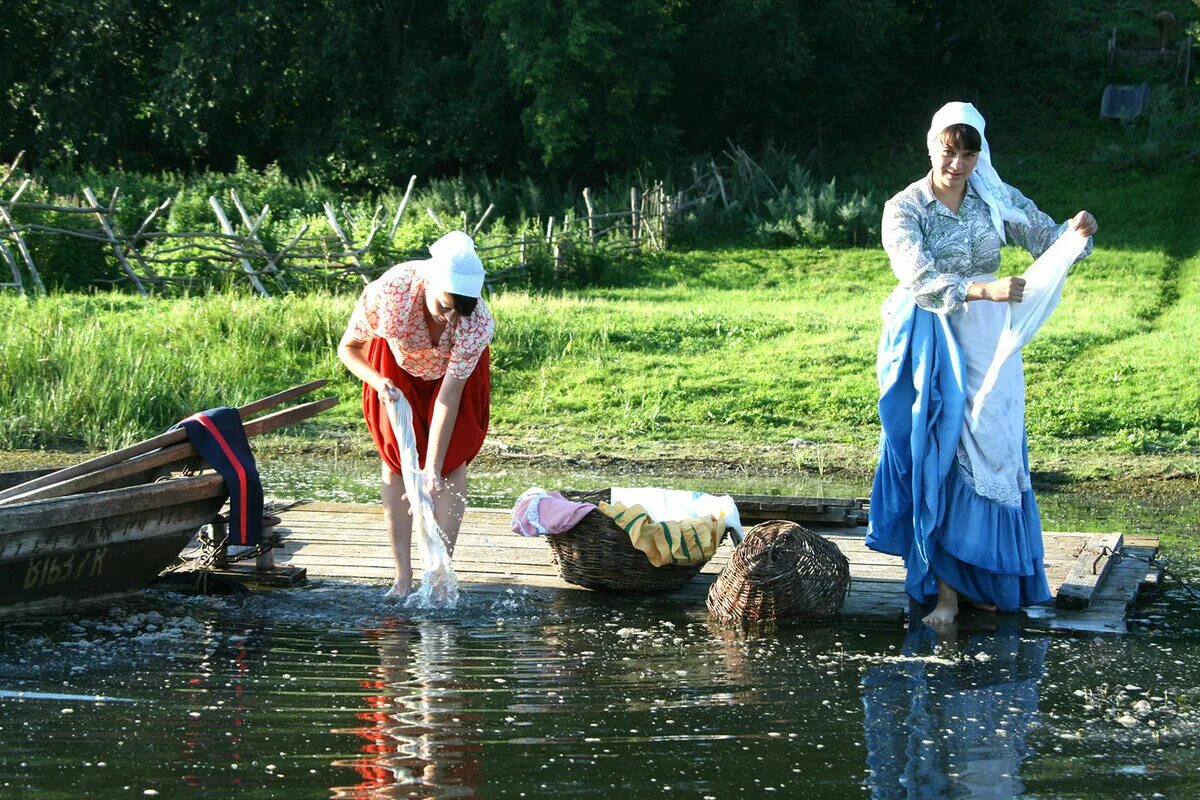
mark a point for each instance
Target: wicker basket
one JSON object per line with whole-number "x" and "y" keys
{"x": 596, "y": 554}
{"x": 781, "y": 571}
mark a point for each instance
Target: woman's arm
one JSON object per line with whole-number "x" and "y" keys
{"x": 352, "y": 353}
{"x": 913, "y": 264}
{"x": 445, "y": 414}
{"x": 1042, "y": 230}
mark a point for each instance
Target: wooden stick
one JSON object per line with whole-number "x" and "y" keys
{"x": 720, "y": 183}
{"x": 487, "y": 212}
{"x": 228, "y": 229}
{"x": 146, "y": 224}
{"x": 400, "y": 211}
{"x": 25, "y": 254}
{"x": 337, "y": 228}
{"x": 252, "y": 227}
{"x": 12, "y": 263}
{"x": 167, "y": 456}
{"x": 12, "y": 168}
{"x": 112, "y": 239}
{"x": 634, "y": 223}
{"x": 587, "y": 201}
{"x": 20, "y": 191}
{"x": 149, "y": 445}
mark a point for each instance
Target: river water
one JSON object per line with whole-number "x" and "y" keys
{"x": 327, "y": 691}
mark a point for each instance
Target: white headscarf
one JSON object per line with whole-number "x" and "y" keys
{"x": 454, "y": 266}
{"x": 984, "y": 179}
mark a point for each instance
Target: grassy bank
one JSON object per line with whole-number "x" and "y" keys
{"x": 746, "y": 356}
{"x": 761, "y": 358}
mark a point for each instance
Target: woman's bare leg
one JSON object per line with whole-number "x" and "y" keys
{"x": 451, "y": 505}
{"x": 398, "y": 519}
{"x": 947, "y": 607}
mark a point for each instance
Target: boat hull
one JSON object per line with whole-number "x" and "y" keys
{"x": 59, "y": 551}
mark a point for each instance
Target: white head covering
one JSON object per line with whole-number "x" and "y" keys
{"x": 454, "y": 266}
{"x": 984, "y": 179}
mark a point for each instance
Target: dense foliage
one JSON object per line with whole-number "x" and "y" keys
{"x": 366, "y": 93}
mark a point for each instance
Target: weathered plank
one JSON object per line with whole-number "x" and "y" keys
{"x": 1088, "y": 571}
{"x": 349, "y": 542}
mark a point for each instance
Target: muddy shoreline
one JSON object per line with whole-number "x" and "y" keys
{"x": 1157, "y": 478}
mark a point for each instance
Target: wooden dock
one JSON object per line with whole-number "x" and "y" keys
{"x": 349, "y": 542}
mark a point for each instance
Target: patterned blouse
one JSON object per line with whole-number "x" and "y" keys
{"x": 392, "y": 307}
{"x": 935, "y": 253}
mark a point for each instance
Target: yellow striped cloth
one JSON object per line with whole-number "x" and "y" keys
{"x": 685, "y": 541}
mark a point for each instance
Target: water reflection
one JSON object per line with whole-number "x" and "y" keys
{"x": 418, "y": 736}
{"x": 950, "y": 719}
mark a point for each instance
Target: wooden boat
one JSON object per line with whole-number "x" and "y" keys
{"x": 99, "y": 544}
{"x": 109, "y": 526}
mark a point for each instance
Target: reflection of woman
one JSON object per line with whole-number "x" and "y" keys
{"x": 421, "y": 330}
{"x": 953, "y": 499}
{"x": 937, "y": 730}
{"x": 419, "y": 726}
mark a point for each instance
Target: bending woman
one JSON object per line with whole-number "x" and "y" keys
{"x": 952, "y": 496}
{"x": 421, "y": 330}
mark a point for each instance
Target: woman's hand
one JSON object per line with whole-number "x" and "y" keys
{"x": 387, "y": 390}
{"x": 1085, "y": 223}
{"x": 434, "y": 482}
{"x": 1004, "y": 290}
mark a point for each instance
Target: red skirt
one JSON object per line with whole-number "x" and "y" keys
{"x": 469, "y": 428}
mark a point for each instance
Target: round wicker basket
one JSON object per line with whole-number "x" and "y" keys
{"x": 596, "y": 554}
{"x": 780, "y": 571}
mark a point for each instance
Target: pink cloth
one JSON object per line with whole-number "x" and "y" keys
{"x": 538, "y": 512}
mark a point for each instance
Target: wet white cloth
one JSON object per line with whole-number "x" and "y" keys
{"x": 439, "y": 584}
{"x": 985, "y": 180}
{"x": 992, "y": 447}
{"x": 665, "y": 505}
{"x": 1043, "y": 288}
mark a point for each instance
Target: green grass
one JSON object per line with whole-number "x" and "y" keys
{"x": 717, "y": 352}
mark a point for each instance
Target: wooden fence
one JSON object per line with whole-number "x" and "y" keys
{"x": 151, "y": 259}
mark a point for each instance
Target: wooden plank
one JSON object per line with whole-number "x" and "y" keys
{"x": 349, "y": 541}
{"x": 1088, "y": 571}
{"x": 164, "y": 458}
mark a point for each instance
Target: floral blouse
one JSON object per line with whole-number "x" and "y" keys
{"x": 936, "y": 253}
{"x": 392, "y": 307}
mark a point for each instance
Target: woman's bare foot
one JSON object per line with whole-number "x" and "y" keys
{"x": 401, "y": 587}
{"x": 946, "y": 610}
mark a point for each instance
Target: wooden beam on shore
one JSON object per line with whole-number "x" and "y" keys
{"x": 149, "y": 445}
{"x": 1088, "y": 571}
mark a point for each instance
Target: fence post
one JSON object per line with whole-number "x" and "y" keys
{"x": 228, "y": 229}
{"x": 634, "y": 222}
{"x": 16, "y": 273}
{"x": 400, "y": 211}
{"x": 587, "y": 201}
{"x": 333, "y": 223}
{"x": 105, "y": 217}
{"x": 252, "y": 228}
{"x": 20, "y": 240}
{"x": 487, "y": 212}
{"x": 666, "y": 214}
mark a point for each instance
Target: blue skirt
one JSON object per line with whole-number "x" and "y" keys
{"x": 988, "y": 552}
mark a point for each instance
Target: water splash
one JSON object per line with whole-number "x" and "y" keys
{"x": 439, "y": 584}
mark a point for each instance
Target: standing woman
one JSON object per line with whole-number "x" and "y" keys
{"x": 421, "y": 330}
{"x": 952, "y": 495}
